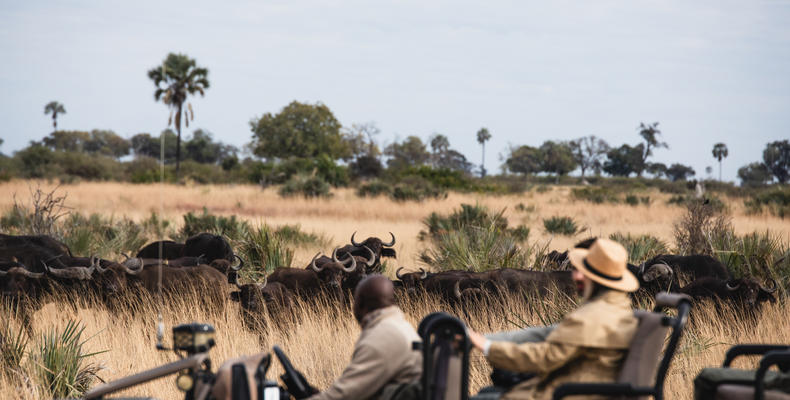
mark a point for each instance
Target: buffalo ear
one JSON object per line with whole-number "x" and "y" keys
{"x": 235, "y": 296}
{"x": 388, "y": 252}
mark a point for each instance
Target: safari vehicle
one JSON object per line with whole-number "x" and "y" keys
{"x": 445, "y": 347}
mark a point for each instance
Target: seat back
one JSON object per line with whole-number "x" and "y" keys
{"x": 643, "y": 366}
{"x": 445, "y": 373}
{"x": 242, "y": 378}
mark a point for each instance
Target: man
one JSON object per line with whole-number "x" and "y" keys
{"x": 383, "y": 357}
{"x": 589, "y": 344}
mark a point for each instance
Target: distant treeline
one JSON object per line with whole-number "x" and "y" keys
{"x": 305, "y": 144}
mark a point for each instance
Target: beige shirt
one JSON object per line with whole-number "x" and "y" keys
{"x": 589, "y": 345}
{"x": 382, "y": 355}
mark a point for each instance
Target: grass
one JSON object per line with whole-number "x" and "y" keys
{"x": 128, "y": 334}
{"x": 640, "y": 247}
{"x": 561, "y": 225}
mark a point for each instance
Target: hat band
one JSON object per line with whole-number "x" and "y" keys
{"x": 601, "y": 274}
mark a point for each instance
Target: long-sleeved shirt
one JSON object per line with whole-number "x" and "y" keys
{"x": 382, "y": 355}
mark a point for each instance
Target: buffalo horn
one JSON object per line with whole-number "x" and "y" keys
{"x": 390, "y": 244}
{"x": 312, "y": 263}
{"x": 372, "y": 258}
{"x": 353, "y": 241}
{"x": 773, "y": 287}
{"x": 457, "y": 289}
{"x": 397, "y": 273}
{"x": 96, "y": 263}
{"x": 241, "y": 263}
{"x": 23, "y": 271}
{"x": 656, "y": 270}
{"x": 424, "y": 273}
{"x": 353, "y": 266}
{"x": 81, "y": 273}
{"x": 133, "y": 263}
{"x": 732, "y": 287}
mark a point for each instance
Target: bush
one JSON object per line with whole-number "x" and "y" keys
{"x": 597, "y": 195}
{"x": 477, "y": 248}
{"x": 306, "y": 186}
{"x": 757, "y": 254}
{"x": 775, "y": 202}
{"x": 699, "y": 227}
{"x": 59, "y": 361}
{"x": 416, "y": 189}
{"x": 640, "y": 248}
{"x": 561, "y": 225}
{"x": 373, "y": 189}
{"x": 467, "y": 218}
{"x": 631, "y": 200}
{"x": 263, "y": 251}
{"x": 103, "y": 237}
{"x": 684, "y": 201}
{"x": 12, "y": 348}
{"x": 229, "y": 227}
{"x": 293, "y": 234}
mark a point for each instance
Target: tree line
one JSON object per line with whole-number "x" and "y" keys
{"x": 308, "y": 136}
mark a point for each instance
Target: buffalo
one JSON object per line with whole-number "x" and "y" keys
{"x": 746, "y": 292}
{"x": 318, "y": 277}
{"x": 378, "y": 247}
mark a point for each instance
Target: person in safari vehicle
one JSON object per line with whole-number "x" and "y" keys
{"x": 588, "y": 345}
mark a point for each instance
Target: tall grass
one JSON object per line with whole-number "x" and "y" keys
{"x": 640, "y": 247}
{"x": 561, "y": 225}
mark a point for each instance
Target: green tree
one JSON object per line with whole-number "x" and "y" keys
{"x": 54, "y": 108}
{"x": 754, "y": 174}
{"x": 525, "y": 160}
{"x": 203, "y": 149}
{"x": 656, "y": 169}
{"x": 649, "y": 132}
{"x": 588, "y": 152}
{"x": 107, "y": 143}
{"x": 557, "y": 158}
{"x": 67, "y": 140}
{"x": 177, "y": 78}
{"x": 145, "y": 145}
{"x": 679, "y": 172}
{"x": 776, "y": 157}
{"x": 720, "y": 152}
{"x": 410, "y": 152}
{"x": 366, "y": 163}
{"x": 299, "y": 130}
{"x": 482, "y": 137}
{"x": 624, "y": 160}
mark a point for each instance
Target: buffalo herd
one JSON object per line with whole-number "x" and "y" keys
{"x": 34, "y": 266}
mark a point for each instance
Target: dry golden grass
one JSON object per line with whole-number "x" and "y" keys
{"x": 319, "y": 338}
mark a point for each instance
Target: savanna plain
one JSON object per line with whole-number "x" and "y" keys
{"x": 319, "y": 335}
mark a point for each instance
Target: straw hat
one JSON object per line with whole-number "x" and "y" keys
{"x": 605, "y": 263}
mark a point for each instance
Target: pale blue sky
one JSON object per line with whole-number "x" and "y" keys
{"x": 529, "y": 71}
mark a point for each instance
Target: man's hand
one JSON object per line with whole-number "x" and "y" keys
{"x": 478, "y": 340}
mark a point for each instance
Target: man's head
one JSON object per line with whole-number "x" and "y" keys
{"x": 372, "y": 293}
{"x": 603, "y": 264}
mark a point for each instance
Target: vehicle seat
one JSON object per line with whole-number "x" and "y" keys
{"x": 445, "y": 373}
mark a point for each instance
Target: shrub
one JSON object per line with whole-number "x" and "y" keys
{"x": 42, "y": 216}
{"x": 219, "y": 225}
{"x": 59, "y": 361}
{"x": 684, "y": 201}
{"x": 776, "y": 202}
{"x": 306, "y": 186}
{"x": 757, "y": 254}
{"x": 293, "y": 234}
{"x": 373, "y": 189}
{"x": 470, "y": 217}
{"x": 527, "y": 209}
{"x": 561, "y": 225}
{"x": 640, "y": 248}
{"x": 12, "y": 348}
{"x": 416, "y": 189}
{"x": 597, "y": 195}
{"x": 103, "y": 237}
{"x": 477, "y": 248}
{"x": 699, "y": 227}
{"x": 264, "y": 251}
{"x": 631, "y": 200}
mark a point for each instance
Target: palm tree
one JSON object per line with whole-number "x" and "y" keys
{"x": 482, "y": 138}
{"x": 54, "y": 108}
{"x": 720, "y": 152}
{"x": 177, "y": 78}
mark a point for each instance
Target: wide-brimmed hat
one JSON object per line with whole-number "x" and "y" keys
{"x": 605, "y": 263}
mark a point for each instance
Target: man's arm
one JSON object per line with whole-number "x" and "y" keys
{"x": 531, "y": 357}
{"x": 531, "y": 334}
{"x": 365, "y": 375}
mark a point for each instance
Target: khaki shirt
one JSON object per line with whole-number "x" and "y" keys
{"x": 589, "y": 345}
{"x": 382, "y": 355}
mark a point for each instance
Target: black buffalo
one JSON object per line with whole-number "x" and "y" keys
{"x": 740, "y": 292}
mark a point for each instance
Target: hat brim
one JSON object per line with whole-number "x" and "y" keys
{"x": 628, "y": 283}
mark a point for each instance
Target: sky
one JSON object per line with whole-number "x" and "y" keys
{"x": 529, "y": 71}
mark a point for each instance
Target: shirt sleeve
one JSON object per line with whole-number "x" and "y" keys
{"x": 361, "y": 379}
{"x": 540, "y": 357}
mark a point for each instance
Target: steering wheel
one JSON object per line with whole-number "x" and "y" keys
{"x": 294, "y": 380}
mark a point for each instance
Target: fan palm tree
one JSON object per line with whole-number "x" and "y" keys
{"x": 482, "y": 138}
{"x": 54, "y": 108}
{"x": 720, "y": 152}
{"x": 178, "y": 78}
